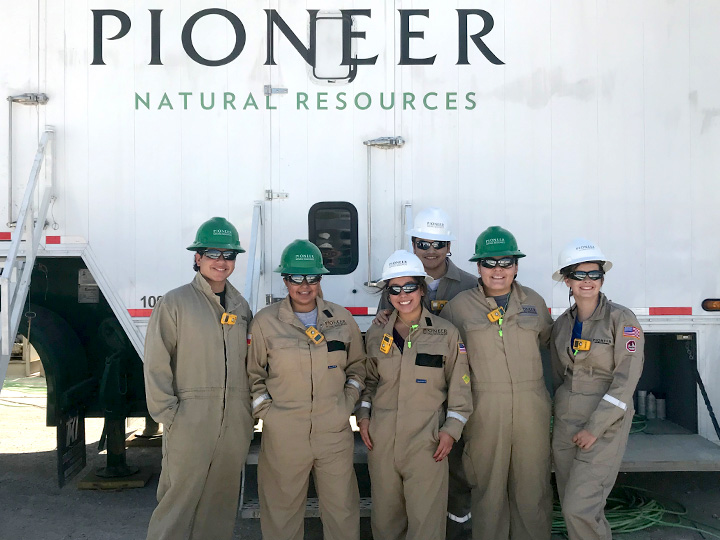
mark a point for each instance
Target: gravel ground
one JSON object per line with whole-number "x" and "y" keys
{"x": 32, "y": 507}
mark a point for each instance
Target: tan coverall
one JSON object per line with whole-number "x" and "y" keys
{"x": 305, "y": 394}
{"x": 507, "y": 438}
{"x": 196, "y": 385}
{"x": 594, "y": 391}
{"x": 453, "y": 282}
{"x": 406, "y": 397}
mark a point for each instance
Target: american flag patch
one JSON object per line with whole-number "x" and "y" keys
{"x": 631, "y": 331}
{"x": 461, "y": 348}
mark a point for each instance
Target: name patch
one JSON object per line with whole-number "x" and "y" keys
{"x": 332, "y": 367}
{"x": 528, "y": 310}
{"x": 435, "y": 331}
{"x": 330, "y": 324}
{"x": 423, "y": 381}
{"x": 602, "y": 341}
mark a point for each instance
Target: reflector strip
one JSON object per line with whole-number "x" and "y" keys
{"x": 52, "y": 239}
{"x": 5, "y": 236}
{"x": 354, "y": 383}
{"x": 456, "y": 416}
{"x": 615, "y": 401}
{"x": 670, "y": 311}
{"x": 258, "y": 400}
{"x": 140, "y": 312}
{"x": 365, "y": 404}
{"x": 457, "y": 519}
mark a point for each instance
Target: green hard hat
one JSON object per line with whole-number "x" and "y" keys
{"x": 301, "y": 257}
{"x": 216, "y": 232}
{"x": 496, "y": 242}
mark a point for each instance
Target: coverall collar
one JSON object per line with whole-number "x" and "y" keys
{"x": 422, "y": 323}
{"x": 517, "y": 297}
{"x": 232, "y": 295}
{"x": 452, "y": 272}
{"x": 287, "y": 315}
{"x": 599, "y": 312}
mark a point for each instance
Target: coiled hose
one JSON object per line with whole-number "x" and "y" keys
{"x": 630, "y": 509}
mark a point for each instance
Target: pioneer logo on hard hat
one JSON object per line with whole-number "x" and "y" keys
{"x": 436, "y": 224}
{"x": 304, "y": 257}
{"x": 491, "y": 241}
{"x": 582, "y": 248}
{"x": 393, "y": 264}
{"x": 223, "y": 232}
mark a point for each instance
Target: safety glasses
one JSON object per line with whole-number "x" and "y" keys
{"x": 579, "y": 275}
{"x": 229, "y": 255}
{"x": 297, "y": 279}
{"x": 505, "y": 262}
{"x": 408, "y": 288}
{"x": 425, "y": 244}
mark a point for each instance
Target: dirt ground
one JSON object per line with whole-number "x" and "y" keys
{"x": 32, "y": 507}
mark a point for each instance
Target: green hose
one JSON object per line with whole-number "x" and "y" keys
{"x": 631, "y": 509}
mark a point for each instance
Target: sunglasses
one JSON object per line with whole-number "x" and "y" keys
{"x": 229, "y": 255}
{"x": 408, "y": 288}
{"x": 505, "y": 262}
{"x": 579, "y": 275}
{"x": 297, "y": 279}
{"x": 435, "y": 244}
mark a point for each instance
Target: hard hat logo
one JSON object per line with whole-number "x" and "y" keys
{"x": 393, "y": 264}
{"x": 494, "y": 241}
{"x": 216, "y": 233}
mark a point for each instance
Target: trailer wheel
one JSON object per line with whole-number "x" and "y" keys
{"x": 63, "y": 358}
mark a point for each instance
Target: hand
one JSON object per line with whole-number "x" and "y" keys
{"x": 364, "y": 426}
{"x": 382, "y": 317}
{"x": 444, "y": 446}
{"x": 584, "y": 439}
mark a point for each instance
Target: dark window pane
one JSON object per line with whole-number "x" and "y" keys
{"x": 333, "y": 227}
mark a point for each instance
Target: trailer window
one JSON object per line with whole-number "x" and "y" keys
{"x": 333, "y": 227}
{"x": 328, "y": 62}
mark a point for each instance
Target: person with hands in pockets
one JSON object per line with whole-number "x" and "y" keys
{"x": 597, "y": 360}
{"x": 196, "y": 385}
{"x": 507, "y": 439}
{"x": 416, "y": 402}
{"x": 306, "y": 366}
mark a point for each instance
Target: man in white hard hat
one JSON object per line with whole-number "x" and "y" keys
{"x": 431, "y": 237}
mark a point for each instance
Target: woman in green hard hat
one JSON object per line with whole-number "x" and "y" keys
{"x": 306, "y": 369}
{"x": 507, "y": 438}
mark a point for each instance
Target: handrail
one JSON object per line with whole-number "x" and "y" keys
{"x": 254, "y": 266}
{"x": 13, "y": 291}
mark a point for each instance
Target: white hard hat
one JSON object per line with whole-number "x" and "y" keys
{"x": 431, "y": 224}
{"x": 402, "y": 264}
{"x": 579, "y": 251}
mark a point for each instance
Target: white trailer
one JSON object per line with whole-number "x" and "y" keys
{"x": 552, "y": 118}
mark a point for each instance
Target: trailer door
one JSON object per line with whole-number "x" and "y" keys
{"x": 322, "y": 119}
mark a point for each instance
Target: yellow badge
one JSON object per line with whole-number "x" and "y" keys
{"x": 496, "y": 314}
{"x": 437, "y": 305}
{"x": 581, "y": 345}
{"x": 228, "y": 318}
{"x": 386, "y": 343}
{"x": 466, "y": 378}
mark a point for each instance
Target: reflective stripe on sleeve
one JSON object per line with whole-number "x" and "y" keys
{"x": 258, "y": 400}
{"x": 457, "y": 416}
{"x": 614, "y": 401}
{"x": 365, "y": 404}
{"x": 458, "y": 519}
{"x": 354, "y": 383}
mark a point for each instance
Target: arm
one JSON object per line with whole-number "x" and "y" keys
{"x": 355, "y": 367}
{"x": 546, "y": 324}
{"x": 558, "y": 370}
{"x": 628, "y": 368}
{"x": 459, "y": 401}
{"x": 257, "y": 372}
{"x": 160, "y": 347}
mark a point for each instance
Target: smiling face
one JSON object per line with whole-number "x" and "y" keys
{"x": 497, "y": 281}
{"x": 302, "y": 296}
{"x": 586, "y": 288}
{"x": 432, "y": 259}
{"x": 215, "y": 271}
{"x": 406, "y": 303}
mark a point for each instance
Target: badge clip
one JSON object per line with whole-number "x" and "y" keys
{"x": 496, "y": 315}
{"x": 581, "y": 345}
{"x": 313, "y": 334}
{"x": 228, "y": 318}
{"x": 437, "y": 305}
{"x": 386, "y": 343}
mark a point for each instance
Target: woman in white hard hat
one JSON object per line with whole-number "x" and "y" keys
{"x": 306, "y": 367}
{"x": 416, "y": 371}
{"x": 597, "y": 360}
{"x": 431, "y": 237}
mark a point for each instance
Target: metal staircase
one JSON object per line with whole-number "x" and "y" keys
{"x": 24, "y": 245}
